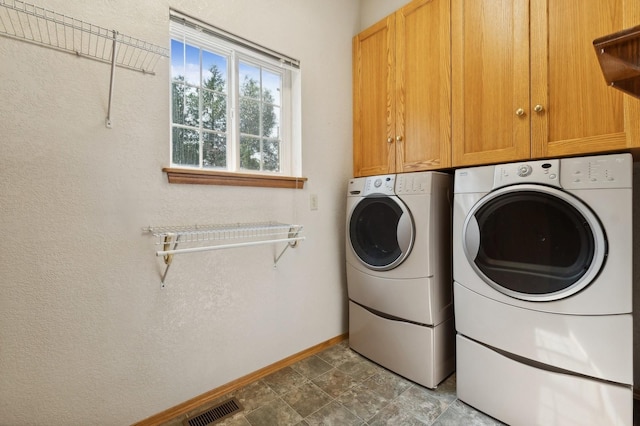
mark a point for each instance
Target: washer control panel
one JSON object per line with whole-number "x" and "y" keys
{"x": 542, "y": 171}
{"x": 382, "y": 185}
{"x": 524, "y": 170}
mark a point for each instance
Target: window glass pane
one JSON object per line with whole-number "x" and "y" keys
{"x": 184, "y": 106}
{"x": 191, "y": 107}
{"x": 271, "y": 155}
{"x": 177, "y": 60}
{"x": 214, "y": 72}
{"x": 186, "y": 147}
{"x": 270, "y": 121}
{"x": 249, "y": 81}
{"x": 271, "y": 87}
{"x": 249, "y": 117}
{"x": 249, "y": 153}
{"x": 192, "y": 65}
{"x": 177, "y": 103}
{"x": 214, "y": 147}
{"x": 214, "y": 111}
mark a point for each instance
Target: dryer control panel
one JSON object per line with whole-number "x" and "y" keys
{"x": 594, "y": 172}
{"x": 599, "y": 171}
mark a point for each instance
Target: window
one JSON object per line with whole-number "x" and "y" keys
{"x": 235, "y": 106}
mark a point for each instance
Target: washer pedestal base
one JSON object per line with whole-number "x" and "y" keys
{"x": 425, "y": 355}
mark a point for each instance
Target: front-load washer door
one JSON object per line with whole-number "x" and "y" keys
{"x": 534, "y": 242}
{"x": 381, "y": 232}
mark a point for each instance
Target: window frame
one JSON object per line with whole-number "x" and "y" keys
{"x": 290, "y": 104}
{"x": 285, "y": 105}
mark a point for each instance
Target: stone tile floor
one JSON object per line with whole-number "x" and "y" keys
{"x": 339, "y": 387}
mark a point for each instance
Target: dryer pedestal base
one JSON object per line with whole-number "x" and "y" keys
{"x": 425, "y": 355}
{"x": 514, "y": 392}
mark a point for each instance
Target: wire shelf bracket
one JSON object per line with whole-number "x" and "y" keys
{"x": 34, "y": 24}
{"x": 174, "y": 240}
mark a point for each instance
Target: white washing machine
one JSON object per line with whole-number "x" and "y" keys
{"x": 542, "y": 255}
{"x": 398, "y": 251}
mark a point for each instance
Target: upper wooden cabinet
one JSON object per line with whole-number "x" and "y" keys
{"x": 490, "y": 68}
{"x": 526, "y": 82}
{"x": 402, "y": 91}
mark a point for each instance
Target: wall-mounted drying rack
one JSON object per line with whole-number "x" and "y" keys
{"x": 619, "y": 57}
{"x": 199, "y": 238}
{"x": 47, "y": 28}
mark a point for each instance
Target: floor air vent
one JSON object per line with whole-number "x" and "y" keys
{"x": 215, "y": 414}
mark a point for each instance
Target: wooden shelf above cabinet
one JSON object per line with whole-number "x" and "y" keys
{"x": 619, "y": 57}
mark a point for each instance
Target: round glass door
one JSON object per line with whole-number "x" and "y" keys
{"x": 534, "y": 243}
{"x": 381, "y": 232}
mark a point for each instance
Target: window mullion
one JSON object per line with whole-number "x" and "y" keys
{"x": 261, "y": 122}
{"x": 200, "y": 114}
{"x": 233, "y": 143}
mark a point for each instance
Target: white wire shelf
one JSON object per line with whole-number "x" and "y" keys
{"x": 51, "y": 29}
{"x": 44, "y": 27}
{"x": 198, "y": 238}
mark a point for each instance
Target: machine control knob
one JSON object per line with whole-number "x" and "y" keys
{"x": 377, "y": 183}
{"x": 524, "y": 170}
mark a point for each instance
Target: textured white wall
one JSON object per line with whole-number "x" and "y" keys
{"x": 87, "y": 334}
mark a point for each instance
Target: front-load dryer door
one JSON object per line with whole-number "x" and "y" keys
{"x": 381, "y": 232}
{"x": 534, "y": 242}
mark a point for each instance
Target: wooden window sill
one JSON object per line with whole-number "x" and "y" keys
{"x": 211, "y": 177}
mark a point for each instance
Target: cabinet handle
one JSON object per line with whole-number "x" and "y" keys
{"x": 389, "y": 140}
{"x": 399, "y": 138}
{"x": 538, "y": 108}
{"x": 519, "y": 112}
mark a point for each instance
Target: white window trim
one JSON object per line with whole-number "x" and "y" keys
{"x": 290, "y": 125}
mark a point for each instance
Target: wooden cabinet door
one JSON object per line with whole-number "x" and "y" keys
{"x": 423, "y": 86}
{"x": 373, "y": 100}
{"x": 490, "y": 73}
{"x": 577, "y": 113}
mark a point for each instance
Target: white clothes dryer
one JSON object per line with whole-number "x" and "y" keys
{"x": 399, "y": 273}
{"x": 542, "y": 255}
